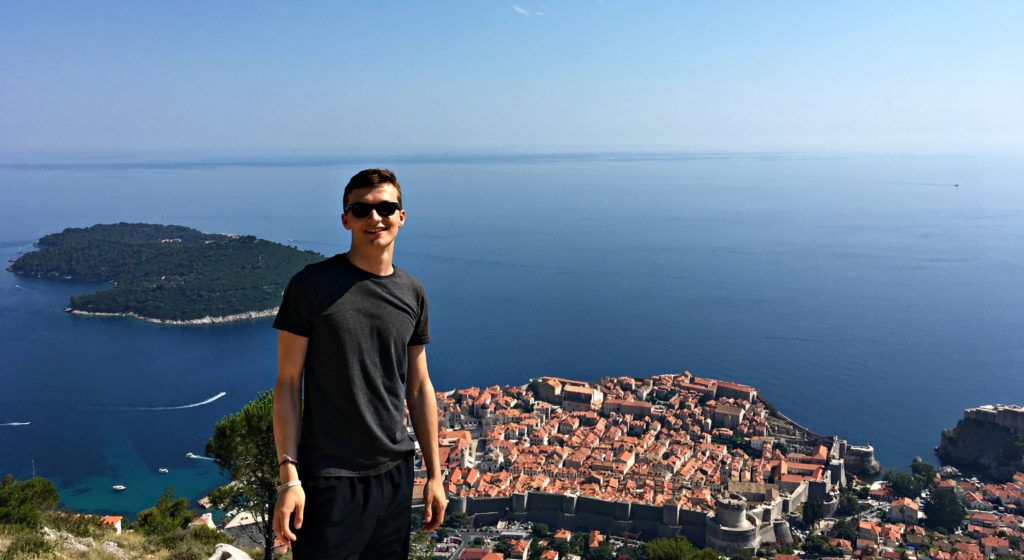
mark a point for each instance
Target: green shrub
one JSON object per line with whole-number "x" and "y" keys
{"x": 207, "y": 537}
{"x": 168, "y": 515}
{"x": 77, "y": 524}
{"x": 26, "y": 543}
{"x": 189, "y": 550}
{"x": 22, "y": 502}
{"x": 194, "y": 538}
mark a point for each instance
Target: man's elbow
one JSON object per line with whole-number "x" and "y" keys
{"x": 286, "y": 385}
{"x": 419, "y": 395}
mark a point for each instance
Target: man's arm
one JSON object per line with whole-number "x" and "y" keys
{"x": 420, "y": 397}
{"x": 291, "y": 357}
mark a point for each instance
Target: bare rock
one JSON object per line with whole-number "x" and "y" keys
{"x": 228, "y": 552}
{"x": 117, "y": 552}
{"x": 67, "y": 540}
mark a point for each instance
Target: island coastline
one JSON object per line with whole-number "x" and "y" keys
{"x": 207, "y": 320}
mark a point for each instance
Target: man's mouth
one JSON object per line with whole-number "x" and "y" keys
{"x": 376, "y": 230}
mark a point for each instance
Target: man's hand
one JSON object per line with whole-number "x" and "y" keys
{"x": 292, "y": 500}
{"x": 434, "y": 504}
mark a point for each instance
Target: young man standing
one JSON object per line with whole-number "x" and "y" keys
{"x": 353, "y": 330}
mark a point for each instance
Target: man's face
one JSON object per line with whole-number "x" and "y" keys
{"x": 374, "y": 230}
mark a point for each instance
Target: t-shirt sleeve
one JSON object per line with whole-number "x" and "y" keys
{"x": 421, "y": 332}
{"x": 296, "y": 312}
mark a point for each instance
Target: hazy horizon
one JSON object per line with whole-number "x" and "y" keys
{"x": 86, "y": 160}
{"x": 582, "y": 76}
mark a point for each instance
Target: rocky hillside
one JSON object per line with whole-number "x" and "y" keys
{"x": 993, "y": 449}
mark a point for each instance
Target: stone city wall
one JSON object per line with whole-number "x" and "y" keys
{"x": 586, "y": 513}
{"x": 1008, "y": 416}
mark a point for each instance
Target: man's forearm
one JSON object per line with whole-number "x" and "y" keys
{"x": 287, "y": 403}
{"x": 423, "y": 413}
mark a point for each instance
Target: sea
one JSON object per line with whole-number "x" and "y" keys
{"x": 870, "y": 296}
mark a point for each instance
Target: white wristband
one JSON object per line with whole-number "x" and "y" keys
{"x": 289, "y": 484}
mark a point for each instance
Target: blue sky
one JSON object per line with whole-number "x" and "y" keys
{"x": 566, "y": 75}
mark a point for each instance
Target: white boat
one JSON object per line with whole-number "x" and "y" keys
{"x": 191, "y": 455}
{"x": 162, "y": 470}
{"x": 119, "y": 488}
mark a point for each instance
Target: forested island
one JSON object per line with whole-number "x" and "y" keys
{"x": 167, "y": 273}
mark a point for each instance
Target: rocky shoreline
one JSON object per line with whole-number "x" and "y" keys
{"x": 989, "y": 439}
{"x": 208, "y": 320}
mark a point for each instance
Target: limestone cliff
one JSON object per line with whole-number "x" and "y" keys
{"x": 989, "y": 439}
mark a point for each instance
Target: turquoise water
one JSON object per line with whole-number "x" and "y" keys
{"x": 865, "y": 296}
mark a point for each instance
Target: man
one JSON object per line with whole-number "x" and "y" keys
{"x": 352, "y": 331}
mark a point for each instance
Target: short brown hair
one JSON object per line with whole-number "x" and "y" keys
{"x": 369, "y": 179}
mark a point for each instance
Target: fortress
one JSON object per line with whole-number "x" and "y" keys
{"x": 1007, "y": 416}
{"x": 745, "y": 516}
{"x": 988, "y": 439}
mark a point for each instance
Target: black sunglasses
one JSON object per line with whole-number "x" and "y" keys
{"x": 362, "y": 209}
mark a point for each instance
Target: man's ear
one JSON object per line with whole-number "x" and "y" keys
{"x": 344, "y": 221}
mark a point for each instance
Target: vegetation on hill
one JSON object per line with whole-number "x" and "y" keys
{"x": 910, "y": 485}
{"x": 167, "y": 272}
{"x": 243, "y": 447}
{"x": 944, "y": 510}
{"x": 677, "y": 549}
{"x": 32, "y": 527}
{"x": 22, "y": 502}
{"x": 169, "y": 514}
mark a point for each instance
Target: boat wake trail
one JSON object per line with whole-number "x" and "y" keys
{"x": 920, "y": 183}
{"x": 16, "y": 424}
{"x": 181, "y": 407}
{"x": 191, "y": 455}
{"x": 793, "y": 339}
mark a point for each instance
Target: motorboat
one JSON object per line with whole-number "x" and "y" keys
{"x": 162, "y": 470}
{"x": 119, "y": 488}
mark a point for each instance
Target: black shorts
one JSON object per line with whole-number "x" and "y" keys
{"x": 357, "y": 517}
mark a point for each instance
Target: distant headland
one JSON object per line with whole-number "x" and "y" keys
{"x": 989, "y": 439}
{"x": 166, "y": 273}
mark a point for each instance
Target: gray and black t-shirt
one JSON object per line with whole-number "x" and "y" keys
{"x": 359, "y": 326}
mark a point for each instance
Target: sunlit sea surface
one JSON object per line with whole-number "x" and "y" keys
{"x": 865, "y": 296}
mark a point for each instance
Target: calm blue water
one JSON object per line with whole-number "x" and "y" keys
{"x": 865, "y": 296}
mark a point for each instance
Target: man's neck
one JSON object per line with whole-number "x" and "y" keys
{"x": 374, "y": 262}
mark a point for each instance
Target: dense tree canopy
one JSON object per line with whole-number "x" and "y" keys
{"x": 923, "y": 471}
{"x": 819, "y": 546}
{"x": 167, "y": 272}
{"x": 845, "y": 529}
{"x": 604, "y": 551}
{"x": 910, "y": 485}
{"x": 944, "y": 510}
{"x": 848, "y": 504}
{"x": 903, "y": 485}
{"x": 457, "y": 520}
{"x": 811, "y": 513}
{"x": 22, "y": 502}
{"x": 540, "y": 530}
{"x": 678, "y": 549}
